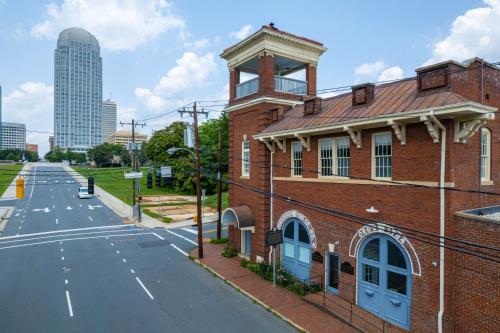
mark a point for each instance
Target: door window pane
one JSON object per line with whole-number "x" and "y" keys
{"x": 303, "y": 235}
{"x": 288, "y": 250}
{"x": 304, "y": 254}
{"x": 372, "y": 250}
{"x": 289, "y": 230}
{"x": 333, "y": 273}
{"x": 370, "y": 274}
{"x": 394, "y": 256}
{"x": 396, "y": 282}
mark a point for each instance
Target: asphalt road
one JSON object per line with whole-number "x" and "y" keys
{"x": 71, "y": 265}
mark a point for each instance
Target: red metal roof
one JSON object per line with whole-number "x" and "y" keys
{"x": 391, "y": 98}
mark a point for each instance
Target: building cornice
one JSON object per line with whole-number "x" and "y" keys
{"x": 260, "y": 100}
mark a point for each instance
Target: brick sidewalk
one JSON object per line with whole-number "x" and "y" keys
{"x": 279, "y": 299}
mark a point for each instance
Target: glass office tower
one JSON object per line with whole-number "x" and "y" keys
{"x": 77, "y": 90}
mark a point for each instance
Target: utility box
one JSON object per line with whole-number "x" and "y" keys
{"x": 20, "y": 188}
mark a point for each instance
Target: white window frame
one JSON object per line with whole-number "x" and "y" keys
{"x": 245, "y": 162}
{"x": 374, "y": 171}
{"x": 294, "y": 144}
{"x": 335, "y": 158}
{"x": 485, "y": 156}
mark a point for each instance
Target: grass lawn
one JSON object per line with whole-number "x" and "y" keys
{"x": 112, "y": 180}
{"x": 211, "y": 200}
{"x": 165, "y": 219}
{"x": 7, "y": 173}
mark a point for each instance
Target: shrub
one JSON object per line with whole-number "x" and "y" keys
{"x": 229, "y": 251}
{"x": 244, "y": 262}
{"x": 223, "y": 240}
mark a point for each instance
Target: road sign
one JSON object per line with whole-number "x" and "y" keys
{"x": 133, "y": 175}
{"x": 274, "y": 237}
{"x": 133, "y": 146}
{"x": 166, "y": 171}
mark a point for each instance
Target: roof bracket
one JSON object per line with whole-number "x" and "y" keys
{"x": 269, "y": 145}
{"x": 355, "y": 135}
{"x": 280, "y": 142}
{"x": 306, "y": 141}
{"x": 465, "y": 129}
{"x": 399, "y": 130}
{"x": 432, "y": 127}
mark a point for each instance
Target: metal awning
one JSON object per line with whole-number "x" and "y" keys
{"x": 241, "y": 217}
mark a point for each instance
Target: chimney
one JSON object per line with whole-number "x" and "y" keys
{"x": 363, "y": 94}
{"x": 277, "y": 114}
{"x": 312, "y": 105}
{"x": 433, "y": 77}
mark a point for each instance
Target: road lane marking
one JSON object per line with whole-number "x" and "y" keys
{"x": 33, "y": 186}
{"x": 65, "y": 281}
{"x": 53, "y": 206}
{"x": 69, "y": 208}
{"x": 178, "y": 249}
{"x": 62, "y": 258}
{"x": 190, "y": 230}
{"x": 90, "y": 218}
{"x": 112, "y": 244}
{"x": 124, "y": 260}
{"x": 185, "y": 238}
{"x": 70, "y": 308}
{"x": 57, "y": 221}
{"x": 133, "y": 272}
{"x": 117, "y": 252}
{"x": 70, "y": 239}
{"x": 62, "y": 250}
{"x": 154, "y": 233}
{"x": 20, "y": 227}
{"x": 143, "y": 287}
{"x": 67, "y": 230}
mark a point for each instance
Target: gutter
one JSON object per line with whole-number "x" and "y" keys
{"x": 441, "y": 221}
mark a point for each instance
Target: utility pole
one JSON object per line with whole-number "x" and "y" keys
{"x": 219, "y": 186}
{"x": 199, "y": 221}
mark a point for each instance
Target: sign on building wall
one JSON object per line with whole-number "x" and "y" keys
{"x": 166, "y": 171}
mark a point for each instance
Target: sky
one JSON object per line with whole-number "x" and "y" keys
{"x": 162, "y": 54}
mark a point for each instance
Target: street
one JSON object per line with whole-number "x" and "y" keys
{"x": 72, "y": 265}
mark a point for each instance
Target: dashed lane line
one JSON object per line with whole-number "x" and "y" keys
{"x": 144, "y": 287}
{"x": 68, "y": 300}
{"x": 185, "y": 238}
{"x": 178, "y": 249}
{"x": 90, "y": 218}
{"x": 66, "y": 230}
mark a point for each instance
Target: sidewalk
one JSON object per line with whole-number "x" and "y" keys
{"x": 285, "y": 304}
{"x": 10, "y": 192}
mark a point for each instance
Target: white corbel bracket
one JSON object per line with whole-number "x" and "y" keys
{"x": 280, "y": 142}
{"x": 399, "y": 130}
{"x": 432, "y": 127}
{"x": 269, "y": 145}
{"x": 355, "y": 135}
{"x": 306, "y": 141}
{"x": 466, "y": 129}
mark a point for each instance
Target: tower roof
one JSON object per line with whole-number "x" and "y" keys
{"x": 77, "y": 35}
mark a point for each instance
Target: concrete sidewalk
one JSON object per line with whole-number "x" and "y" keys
{"x": 283, "y": 303}
{"x": 10, "y": 192}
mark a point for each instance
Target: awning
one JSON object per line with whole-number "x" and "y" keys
{"x": 241, "y": 217}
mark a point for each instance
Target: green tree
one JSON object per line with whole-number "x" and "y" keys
{"x": 101, "y": 154}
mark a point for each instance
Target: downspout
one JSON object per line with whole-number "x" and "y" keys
{"x": 271, "y": 200}
{"x": 441, "y": 222}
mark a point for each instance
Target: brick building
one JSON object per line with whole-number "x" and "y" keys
{"x": 365, "y": 182}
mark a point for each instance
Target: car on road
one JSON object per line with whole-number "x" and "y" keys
{"x": 83, "y": 193}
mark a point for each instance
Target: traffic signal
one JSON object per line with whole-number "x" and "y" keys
{"x": 150, "y": 180}
{"x": 158, "y": 180}
{"x": 91, "y": 185}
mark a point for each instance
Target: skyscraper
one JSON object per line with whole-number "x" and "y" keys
{"x": 0, "y": 117}
{"x": 108, "y": 119}
{"x": 77, "y": 90}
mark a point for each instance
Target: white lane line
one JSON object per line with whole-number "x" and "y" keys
{"x": 65, "y": 281}
{"x": 124, "y": 260}
{"x": 33, "y": 186}
{"x": 190, "y": 230}
{"x": 185, "y": 238}
{"x": 22, "y": 221}
{"x": 143, "y": 287}
{"x": 112, "y": 244}
{"x": 178, "y": 249}
{"x": 71, "y": 239}
{"x": 117, "y": 252}
{"x": 52, "y": 196}
{"x": 53, "y": 206}
{"x": 62, "y": 250}
{"x": 62, "y": 258}
{"x": 70, "y": 308}
{"x": 154, "y": 233}
{"x": 133, "y": 272}
{"x": 90, "y": 218}
{"x": 68, "y": 230}
{"x": 20, "y": 227}
{"x": 80, "y": 205}
{"x": 57, "y": 221}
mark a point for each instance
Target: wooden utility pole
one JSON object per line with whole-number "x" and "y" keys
{"x": 199, "y": 221}
{"x": 219, "y": 186}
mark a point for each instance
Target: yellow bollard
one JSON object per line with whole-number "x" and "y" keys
{"x": 20, "y": 188}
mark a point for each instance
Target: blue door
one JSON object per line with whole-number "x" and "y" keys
{"x": 384, "y": 279}
{"x": 248, "y": 242}
{"x": 296, "y": 249}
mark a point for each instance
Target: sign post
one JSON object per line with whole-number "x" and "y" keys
{"x": 274, "y": 237}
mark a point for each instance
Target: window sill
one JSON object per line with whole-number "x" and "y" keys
{"x": 486, "y": 182}
{"x": 244, "y": 177}
{"x": 333, "y": 177}
{"x": 293, "y": 176}
{"x": 382, "y": 178}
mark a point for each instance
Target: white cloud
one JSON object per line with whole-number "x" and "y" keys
{"x": 32, "y": 104}
{"x": 190, "y": 74}
{"x": 377, "y": 71}
{"x": 476, "y": 33}
{"x": 244, "y": 32}
{"x": 117, "y": 24}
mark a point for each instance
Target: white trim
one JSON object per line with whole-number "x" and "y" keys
{"x": 353, "y": 181}
{"x": 487, "y": 169}
{"x": 292, "y": 159}
{"x": 244, "y": 162}
{"x": 298, "y": 215}
{"x": 373, "y": 157}
{"x": 264, "y": 99}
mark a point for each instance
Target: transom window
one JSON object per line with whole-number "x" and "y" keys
{"x": 296, "y": 159}
{"x": 334, "y": 156}
{"x": 382, "y": 155}
{"x": 485, "y": 154}
{"x": 245, "y": 158}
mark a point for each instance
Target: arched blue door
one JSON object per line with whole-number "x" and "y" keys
{"x": 296, "y": 249}
{"x": 384, "y": 279}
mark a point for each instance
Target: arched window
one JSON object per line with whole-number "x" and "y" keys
{"x": 485, "y": 154}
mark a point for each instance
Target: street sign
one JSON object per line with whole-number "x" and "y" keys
{"x": 133, "y": 175}
{"x": 274, "y": 237}
{"x": 133, "y": 146}
{"x": 166, "y": 171}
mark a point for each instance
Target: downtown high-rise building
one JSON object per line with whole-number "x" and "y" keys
{"x": 108, "y": 126}
{"x": 77, "y": 90}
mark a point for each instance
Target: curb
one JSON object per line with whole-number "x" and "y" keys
{"x": 253, "y": 298}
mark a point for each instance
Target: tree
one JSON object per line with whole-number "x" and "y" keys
{"x": 101, "y": 154}
{"x": 17, "y": 155}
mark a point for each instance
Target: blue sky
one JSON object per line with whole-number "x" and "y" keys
{"x": 158, "y": 54}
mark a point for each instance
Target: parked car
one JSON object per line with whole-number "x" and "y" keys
{"x": 83, "y": 193}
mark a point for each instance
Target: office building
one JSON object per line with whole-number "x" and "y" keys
{"x": 124, "y": 137}
{"x": 31, "y": 147}
{"x": 51, "y": 142}
{"x": 13, "y": 136}
{"x": 77, "y": 90}
{"x": 108, "y": 119}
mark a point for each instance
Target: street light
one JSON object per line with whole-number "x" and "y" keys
{"x": 173, "y": 150}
